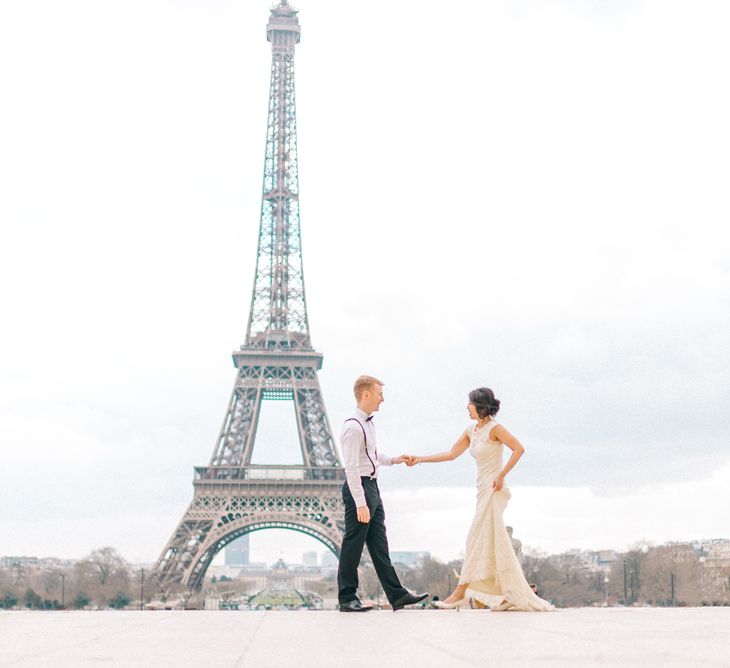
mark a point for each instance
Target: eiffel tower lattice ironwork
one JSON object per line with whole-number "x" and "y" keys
{"x": 233, "y": 497}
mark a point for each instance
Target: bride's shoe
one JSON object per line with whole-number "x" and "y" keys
{"x": 442, "y": 605}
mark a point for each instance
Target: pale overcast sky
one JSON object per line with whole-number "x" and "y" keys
{"x": 527, "y": 195}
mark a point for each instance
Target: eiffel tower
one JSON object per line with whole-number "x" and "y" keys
{"x": 231, "y": 496}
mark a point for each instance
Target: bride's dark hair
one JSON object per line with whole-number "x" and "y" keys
{"x": 484, "y": 401}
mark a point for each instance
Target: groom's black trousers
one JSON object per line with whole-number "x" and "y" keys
{"x": 371, "y": 534}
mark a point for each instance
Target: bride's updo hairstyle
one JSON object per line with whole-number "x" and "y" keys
{"x": 484, "y": 401}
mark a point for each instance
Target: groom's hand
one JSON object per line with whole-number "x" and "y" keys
{"x": 363, "y": 514}
{"x": 398, "y": 460}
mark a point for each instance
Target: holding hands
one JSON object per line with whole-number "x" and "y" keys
{"x": 409, "y": 460}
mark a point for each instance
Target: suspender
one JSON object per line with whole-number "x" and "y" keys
{"x": 372, "y": 475}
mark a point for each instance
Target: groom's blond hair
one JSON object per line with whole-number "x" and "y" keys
{"x": 365, "y": 383}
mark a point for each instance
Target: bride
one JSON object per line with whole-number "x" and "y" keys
{"x": 491, "y": 573}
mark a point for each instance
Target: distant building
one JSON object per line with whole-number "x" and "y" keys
{"x": 715, "y": 568}
{"x": 42, "y": 563}
{"x": 279, "y": 577}
{"x": 591, "y": 561}
{"x": 411, "y": 559}
{"x": 310, "y": 559}
{"x": 237, "y": 552}
{"x": 328, "y": 559}
{"x": 218, "y": 572}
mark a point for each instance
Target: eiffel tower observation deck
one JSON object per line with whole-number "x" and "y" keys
{"x": 232, "y": 496}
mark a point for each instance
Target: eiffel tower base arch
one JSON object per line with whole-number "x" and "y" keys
{"x": 224, "y": 508}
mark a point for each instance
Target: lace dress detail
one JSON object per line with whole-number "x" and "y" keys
{"x": 491, "y": 567}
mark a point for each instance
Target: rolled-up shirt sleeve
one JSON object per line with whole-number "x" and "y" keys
{"x": 352, "y": 442}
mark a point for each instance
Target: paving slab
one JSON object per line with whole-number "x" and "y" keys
{"x": 426, "y": 638}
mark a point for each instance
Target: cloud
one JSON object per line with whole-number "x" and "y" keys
{"x": 555, "y": 519}
{"x": 437, "y": 519}
{"x": 532, "y": 199}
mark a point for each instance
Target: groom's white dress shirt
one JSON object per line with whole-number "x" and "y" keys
{"x": 359, "y": 460}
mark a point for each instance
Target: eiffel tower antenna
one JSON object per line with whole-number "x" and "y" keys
{"x": 231, "y": 496}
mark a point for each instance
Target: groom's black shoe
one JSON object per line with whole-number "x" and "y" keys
{"x": 408, "y": 599}
{"x": 354, "y": 606}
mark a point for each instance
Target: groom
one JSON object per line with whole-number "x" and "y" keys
{"x": 364, "y": 516}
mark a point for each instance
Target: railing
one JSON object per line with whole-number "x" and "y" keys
{"x": 260, "y": 472}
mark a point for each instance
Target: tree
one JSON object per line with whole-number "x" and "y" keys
{"x": 33, "y": 600}
{"x": 369, "y": 583}
{"x": 8, "y": 601}
{"x": 81, "y": 601}
{"x": 550, "y": 581}
{"x": 101, "y": 571}
{"x": 327, "y": 586}
{"x": 119, "y": 601}
{"x": 634, "y": 577}
{"x": 107, "y": 562}
{"x": 431, "y": 575}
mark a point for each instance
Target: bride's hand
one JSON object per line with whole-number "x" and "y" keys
{"x": 410, "y": 460}
{"x": 498, "y": 483}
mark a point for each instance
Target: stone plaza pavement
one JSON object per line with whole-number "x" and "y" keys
{"x": 643, "y": 637}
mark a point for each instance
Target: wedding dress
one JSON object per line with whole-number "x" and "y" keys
{"x": 491, "y": 567}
